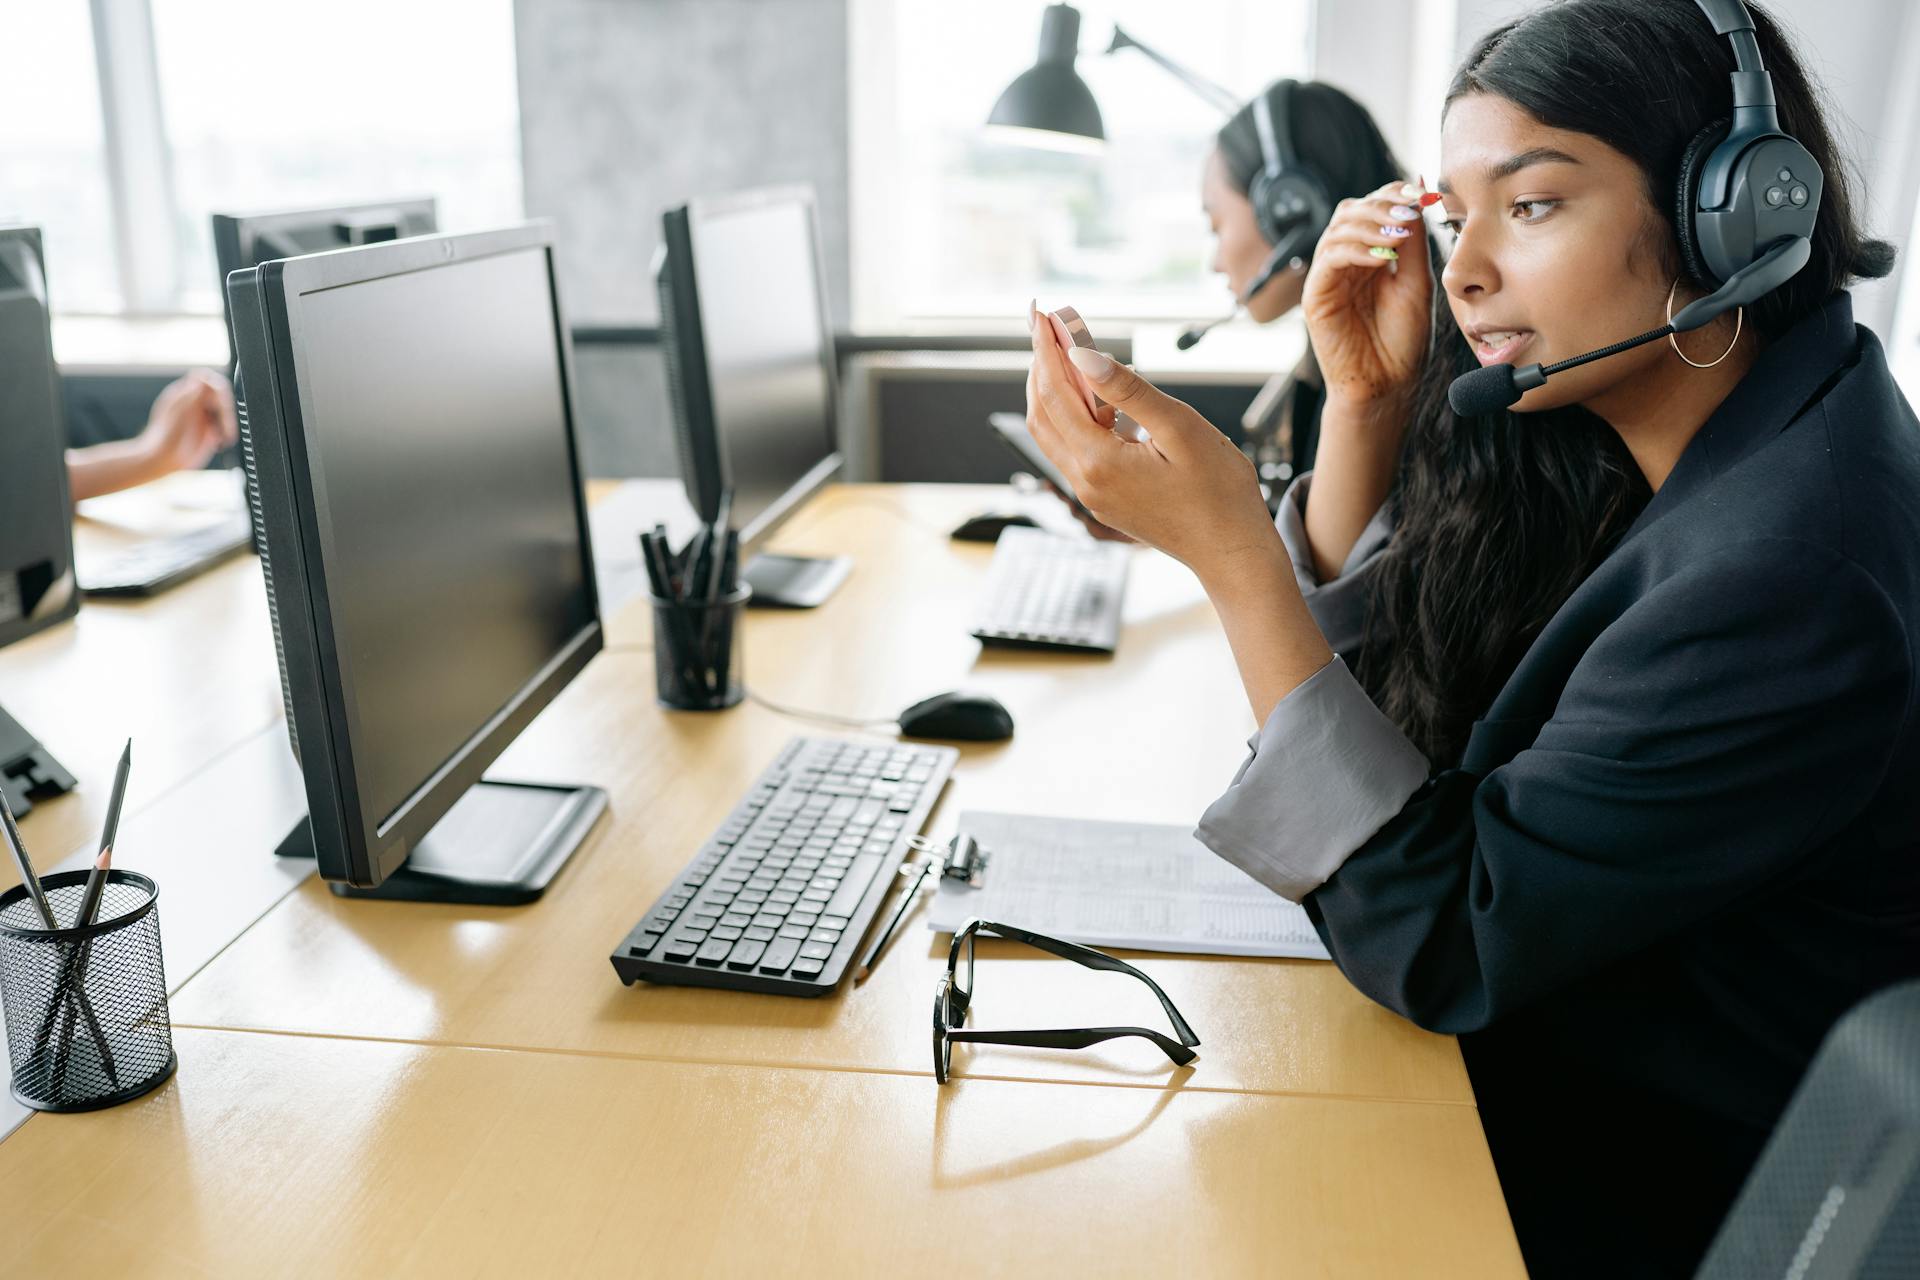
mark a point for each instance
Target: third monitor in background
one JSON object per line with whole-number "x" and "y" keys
{"x": 750, "y": 359}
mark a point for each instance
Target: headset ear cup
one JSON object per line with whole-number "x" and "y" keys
{"x": 1693, "y": 161}
{"x": 1260, "y": 196}
{"x": 1283, "y": 203}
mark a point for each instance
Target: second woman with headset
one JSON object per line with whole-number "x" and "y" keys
{"x": 1277, "y": 168}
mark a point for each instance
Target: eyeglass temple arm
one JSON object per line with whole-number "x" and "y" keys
{"x": 1075, "y": 1038}
{"x": 1094, "y": 960}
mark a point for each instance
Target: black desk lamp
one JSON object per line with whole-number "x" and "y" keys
{"x": 1049, "y": 105}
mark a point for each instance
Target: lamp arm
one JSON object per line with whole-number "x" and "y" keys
{"x": 1219, "y": 98}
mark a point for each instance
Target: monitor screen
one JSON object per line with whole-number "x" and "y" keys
{"x": 769, "y": 350}
{"x": 445, "y": 492}
{"x": 36, "y": 520}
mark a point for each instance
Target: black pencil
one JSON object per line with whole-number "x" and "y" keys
{"x": 24, "y": 865}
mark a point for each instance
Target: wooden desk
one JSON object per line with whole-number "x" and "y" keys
{"x": 188, "y": 675}
{"x": 271, "y": 1155}
{"x": 475, "y": 1089}
{"x": 1152, "y": 734}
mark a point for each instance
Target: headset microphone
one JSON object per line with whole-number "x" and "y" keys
{"x": 1496, "y": 386}
{"x": 1282, "y": 256}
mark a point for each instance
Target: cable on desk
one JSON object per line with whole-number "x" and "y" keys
{"x": 824, "y": 717}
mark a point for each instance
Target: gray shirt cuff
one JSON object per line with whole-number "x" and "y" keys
{"x": 1328, "y": 770}
{"x": 1339, "y": 606}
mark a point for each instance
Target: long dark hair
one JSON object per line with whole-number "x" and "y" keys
{"x": 1329, "y": 132}
{"x": 1500, "y": 517}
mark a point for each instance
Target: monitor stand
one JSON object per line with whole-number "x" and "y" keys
{"x": 795, "y": 582}
{"x": 28, "y": 771}
{"x": 500, "y": 845}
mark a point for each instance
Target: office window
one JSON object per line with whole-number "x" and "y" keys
{"x": 951, "y": 225}
{"x": 52, "y": 155}
{"x": 258, "y": 106}
{"x": 282, "y": 105}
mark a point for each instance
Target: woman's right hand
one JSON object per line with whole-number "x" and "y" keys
{"x": 1369, "y": 314}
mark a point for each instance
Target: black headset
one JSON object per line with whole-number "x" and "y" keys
{"x": 1745, "y": 185}
{"x": 1290, "y": 201}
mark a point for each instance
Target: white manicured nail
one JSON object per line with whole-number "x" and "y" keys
{"x": 1093, "y": 363}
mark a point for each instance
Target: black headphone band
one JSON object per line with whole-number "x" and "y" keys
{"x": 1744, "y": 184}
{"x": 1276, "y": 136}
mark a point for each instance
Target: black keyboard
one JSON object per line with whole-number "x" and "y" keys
{"x": 153, "y": 566}
{"x": 778, "y": 899}
{"x": 1047, "y": 591}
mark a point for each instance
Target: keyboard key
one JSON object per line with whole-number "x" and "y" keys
{"x": 714, "y": 950}
{"x": 807, "y": 967}
{"x": 820, "y": 934}
{"x": 815, "y": 950}
{"x": 745, "y": 954}
{"x": 798, "y": 932}
{"x": 779, "y": 955}
{"x": 762, "y": 933}
{"x": 680, "y": 949}
{"x": 806, "y": 918}
{"x": 736, "y": 919}
{"x": 833, "y": 922}
{"x": 725, "y": 933}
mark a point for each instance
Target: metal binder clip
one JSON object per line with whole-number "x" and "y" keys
{"x": 961, "y": 859}
{"x": 966, "y": 861}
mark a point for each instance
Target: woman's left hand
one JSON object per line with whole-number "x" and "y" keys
{"x": 1188, "y": 490}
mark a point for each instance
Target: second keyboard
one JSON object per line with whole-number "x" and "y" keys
{"x": 1049, "y": 591}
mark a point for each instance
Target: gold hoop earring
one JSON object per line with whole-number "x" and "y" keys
{"x": 1739, "y": 318}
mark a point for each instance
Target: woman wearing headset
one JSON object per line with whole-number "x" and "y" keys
{"x": 1617, "y": 772}
{"x": 1268, "y": 190}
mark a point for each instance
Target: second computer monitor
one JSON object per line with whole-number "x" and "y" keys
{"x": 745, "y": 310}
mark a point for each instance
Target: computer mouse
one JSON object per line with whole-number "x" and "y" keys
{"x": 987, "y": 526}
{"x": 961, "y": 717}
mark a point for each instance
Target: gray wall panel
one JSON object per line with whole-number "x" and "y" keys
{"x": 628, "y": 106}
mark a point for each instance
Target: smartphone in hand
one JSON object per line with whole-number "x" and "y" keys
{"x": 1071, "y": 331}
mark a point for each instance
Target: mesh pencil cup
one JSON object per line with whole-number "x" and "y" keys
{"x": 696, "y": 651}
{"x": 86, "y": 1008}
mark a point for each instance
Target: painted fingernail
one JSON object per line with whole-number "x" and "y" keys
{"x": 1094, "y": 364}
{"x": 1404, "y": 212}
{"x": 1395, "y": 231}
{"x": 1382, "y": 251}
{"x": 1430, "y": 199}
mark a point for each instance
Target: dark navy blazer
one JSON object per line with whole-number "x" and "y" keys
{"x": 1686, "y": 836}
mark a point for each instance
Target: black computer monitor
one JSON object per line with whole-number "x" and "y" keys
{"x": 743, "y": 316}
{"x": 242, "y": 240}
{"x": 409, "y": 435}
{"x": 37, "y": 586}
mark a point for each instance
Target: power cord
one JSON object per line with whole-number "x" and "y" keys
{"x": 822, "y": 717}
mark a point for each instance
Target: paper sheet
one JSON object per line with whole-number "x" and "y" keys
{"x": 1121, "y": 884}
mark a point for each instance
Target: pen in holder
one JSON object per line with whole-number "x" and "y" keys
{"x": 86, "y": 1008}
{"x": 696, "y": 651}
